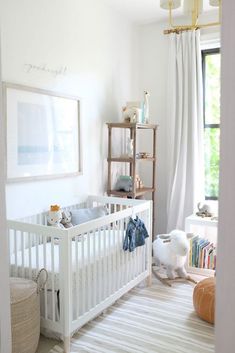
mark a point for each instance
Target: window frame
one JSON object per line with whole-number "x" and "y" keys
{"x": 205, "y": 53}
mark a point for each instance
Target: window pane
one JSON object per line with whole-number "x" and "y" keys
{"x": 212, "y": 89}
{"x": 212, "y": 136}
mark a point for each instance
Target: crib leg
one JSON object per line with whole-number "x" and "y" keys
{"x": 67, "y": 344}
{"x": 149, "y": 280}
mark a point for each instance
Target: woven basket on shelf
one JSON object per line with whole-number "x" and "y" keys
{"x": 25, "y": 315}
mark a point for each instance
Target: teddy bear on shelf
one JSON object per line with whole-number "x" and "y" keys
{"x": 66, "y": 219}
{"x": 54, "y": 217}
{"x": 204, "y": 210}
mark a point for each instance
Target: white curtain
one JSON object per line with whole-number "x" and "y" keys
{"x": 185, "y": 127}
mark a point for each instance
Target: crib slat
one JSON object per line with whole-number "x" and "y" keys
{"x": 45, "y": 288}
{"x": 130, "y": 255}
{"x": 114, "y": 259}
{"x": 146, "y": 216}
{"x": 10, "y": 235}
{"x": 39, "y": 221}
{"x": 15, "y": 250}
{"x": 105, "y": 291}
{"x": 123, "y": 255}
{"x": 134, "y": 260}
{"x": 30, "y": 255}
{"x": 37, "y": 252}
{"x": 99, "y": 267}
{"x": 137, "y": 259}
{"x": 83, "y": 274}
{"x": 77, "y": 277}
{"x": 131, "y": 266}
{"x": 89, "y": 269}
{"x": 94, "y": 269}
{"x": 142, "y": 257}
{"x": 118, "y": 247}
{"x": 22, "y": 255}
{"x": 53, "y": 278}
{"x": 44, "y": 252}
{"x": 127, "y": 256}
{"x": 142, "y": 260}
{"x": 138, "y": 270}
{"x": 110, "y": 277}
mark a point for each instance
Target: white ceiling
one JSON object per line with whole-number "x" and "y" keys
{"x": 146, "y": 11}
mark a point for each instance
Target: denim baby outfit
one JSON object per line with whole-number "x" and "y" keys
{"x": 135, "y": 234}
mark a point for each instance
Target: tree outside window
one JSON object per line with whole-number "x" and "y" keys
{"x": 211, "y": 77}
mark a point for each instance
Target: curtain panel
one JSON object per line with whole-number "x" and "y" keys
{"x": 185, "y": 127}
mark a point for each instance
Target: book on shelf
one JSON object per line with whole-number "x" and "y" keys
{"x": 202, "y": 253}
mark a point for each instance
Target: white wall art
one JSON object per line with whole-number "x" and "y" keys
{"x": 43, "y": 134}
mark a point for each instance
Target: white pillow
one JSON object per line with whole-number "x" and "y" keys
{"x": 83, "y": 215}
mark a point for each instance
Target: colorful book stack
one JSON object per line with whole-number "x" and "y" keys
{"x": 202, "y": 253}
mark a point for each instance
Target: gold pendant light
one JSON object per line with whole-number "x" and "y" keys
{"x": 165, "y": 4}
{"x": 193, "y": 8}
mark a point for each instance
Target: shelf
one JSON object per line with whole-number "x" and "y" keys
{"x": 200, "y": 271}
{"x": 132, "y": 125}
{"x": 139, "y": 192}
{"x": 129, "y": 160}
{"x": 148, "y": 159}
{"x": 120, "y": 159}
{"x": 203, "y": 221}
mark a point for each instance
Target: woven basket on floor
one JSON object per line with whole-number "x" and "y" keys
{"x": 25, "y": 315}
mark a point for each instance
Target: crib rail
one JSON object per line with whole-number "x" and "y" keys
{"x": 88, "y": 269}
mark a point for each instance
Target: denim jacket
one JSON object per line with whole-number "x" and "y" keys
{"x": 135, "y": 234}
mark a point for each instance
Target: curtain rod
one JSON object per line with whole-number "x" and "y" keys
{"x": 179, "y": 30}
{"x": 190, "y": 28}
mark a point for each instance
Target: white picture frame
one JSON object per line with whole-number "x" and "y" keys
{"x": 43, "y": 139}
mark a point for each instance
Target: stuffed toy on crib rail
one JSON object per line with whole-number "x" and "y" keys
{"x": 170, "y": 250}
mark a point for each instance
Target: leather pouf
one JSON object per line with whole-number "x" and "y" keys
{"x": 204, "y": 299}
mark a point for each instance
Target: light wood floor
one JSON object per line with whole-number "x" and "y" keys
{"x": 46, "y": 344}
{"x": 158, "y": 319}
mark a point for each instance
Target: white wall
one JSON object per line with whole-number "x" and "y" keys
{"x": 5, "y": 336}
{"x": 153, "y": 77}
{"x": 97, "y": 47}
{"x": 225, "y": 286}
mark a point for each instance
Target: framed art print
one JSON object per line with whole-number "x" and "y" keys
{"x": 43, "y": 134}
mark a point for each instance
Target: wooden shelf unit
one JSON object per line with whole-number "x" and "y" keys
{"x": 135, "y": 193}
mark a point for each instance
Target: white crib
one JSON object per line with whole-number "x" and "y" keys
{"x": 88, "y": 270}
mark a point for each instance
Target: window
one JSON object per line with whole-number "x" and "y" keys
{"x": 211, "y": 80}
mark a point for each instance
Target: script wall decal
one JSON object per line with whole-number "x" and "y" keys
{"x": 62, "y": 70}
